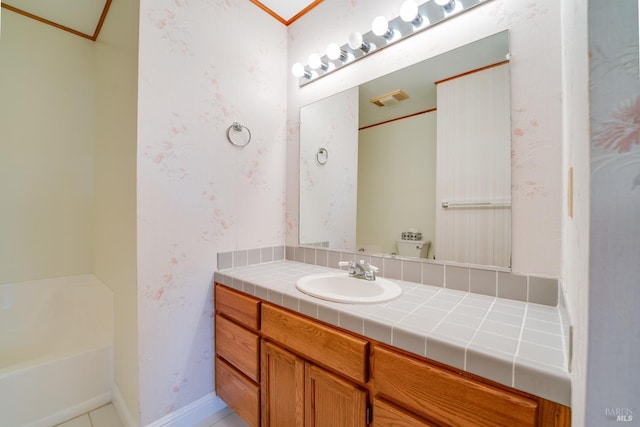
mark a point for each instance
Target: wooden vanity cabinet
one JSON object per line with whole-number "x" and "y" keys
{"x": 239, "y": 393}
{"x": 296, "y": 391}
{"x": 344, "y": 353}
{"x": 333, "y": 401}
{"x": 386, "y": 414}
{"x": 282, "y": 387}
{"x": 445, "y": 397}
{"x": 237, "y": 348}
{"x": 413, "y": 391}
{"x": 277, "y": 368}
{"x": 241, "y": 308}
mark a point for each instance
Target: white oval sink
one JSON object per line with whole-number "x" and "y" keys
{"x": 339, "y": 287}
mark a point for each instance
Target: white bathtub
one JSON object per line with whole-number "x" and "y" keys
{"x": 56, "y": 358}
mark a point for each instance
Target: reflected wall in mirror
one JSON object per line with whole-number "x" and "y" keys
{"x": 425, "y": 172}
{"x": 328, "y": 185}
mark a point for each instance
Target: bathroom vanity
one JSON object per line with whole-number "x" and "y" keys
{"x": 276, "y": 366}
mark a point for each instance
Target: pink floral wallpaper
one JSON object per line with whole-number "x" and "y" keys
{"x": 208, "y": 63}
{"x": 614, "y": 265}
{"x": 202, "y": 66}
{"x": 621, "y": 131}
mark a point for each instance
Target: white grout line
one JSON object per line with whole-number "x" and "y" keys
{"x": 466, "y": 347}
{"x": 524, "y": 318}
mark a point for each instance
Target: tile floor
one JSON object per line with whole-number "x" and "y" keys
{"x": 106, "y": 416}
{"x": 231, "y": 420}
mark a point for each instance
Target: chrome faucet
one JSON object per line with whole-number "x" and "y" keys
{"x": 360, "y": 270}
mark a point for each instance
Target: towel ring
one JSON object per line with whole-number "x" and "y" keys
{"x": 238, "y": 127}
{"x": 322, "y": 156}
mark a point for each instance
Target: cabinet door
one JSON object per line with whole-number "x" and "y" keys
{"x": 282, "y": 387}
{"x": 344, "y": 353}
{"x": 331, "y": 401}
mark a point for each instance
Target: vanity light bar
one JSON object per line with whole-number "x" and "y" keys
{"x": 361, "y": 45}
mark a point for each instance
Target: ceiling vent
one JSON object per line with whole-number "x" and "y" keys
{"x": 389, "y": 98}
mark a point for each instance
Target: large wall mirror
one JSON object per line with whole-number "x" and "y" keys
{"x": 416, "y": 163}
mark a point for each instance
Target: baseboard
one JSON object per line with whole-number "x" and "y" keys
{"x": 207, "y": 407}
{"x": 121, "y": 407}
{"x": 221, "y": 414}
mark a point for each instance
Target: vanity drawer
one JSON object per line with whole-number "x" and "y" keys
{"x": 238, "y": 346}
{"x": 237, "y": 391}
{"x": 386, "y": 414}
{"x": 445, "y": 397}
{"x": 336, "y": 350}
{"x": 242, "y": 308}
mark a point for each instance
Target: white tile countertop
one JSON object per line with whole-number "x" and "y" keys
{"x": 514, "y": 343}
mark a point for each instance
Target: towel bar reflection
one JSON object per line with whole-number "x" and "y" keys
{"x": 322, "y": 156}
{"x": 450, "y": 205}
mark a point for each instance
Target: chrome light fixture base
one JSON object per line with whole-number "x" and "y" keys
{"x": 429, "y": 14}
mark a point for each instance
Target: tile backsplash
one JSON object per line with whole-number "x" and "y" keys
{"x": 485, "y": 281}
{"x": 244, "y": 257}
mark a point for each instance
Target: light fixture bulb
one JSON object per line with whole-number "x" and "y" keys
{"x": 409, "y": 10}
{"x": 335, "y": 52}
{"x": 409, "y": 13}
{"x": 298, "y": 70}
{"x": 315, "y": 62}
{"x": 380, "y": 27}
{"x": 357, "y": 42}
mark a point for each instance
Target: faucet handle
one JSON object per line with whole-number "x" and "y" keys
{"x": 368, "y": 266}
{"x": 369, "y": 271}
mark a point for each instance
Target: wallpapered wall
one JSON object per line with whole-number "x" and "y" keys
{"x": 613, "y": 380}
{"x": 193, "y": 85}
{"x": 202, "y": 66}
{"x": 535, "y": 101}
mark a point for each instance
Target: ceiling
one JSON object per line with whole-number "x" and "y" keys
{"x": 419, "y": 80}
{"x": 286, "y": 11}
{"x": 81, "y": 17}
{"x": 84, "y": 18}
